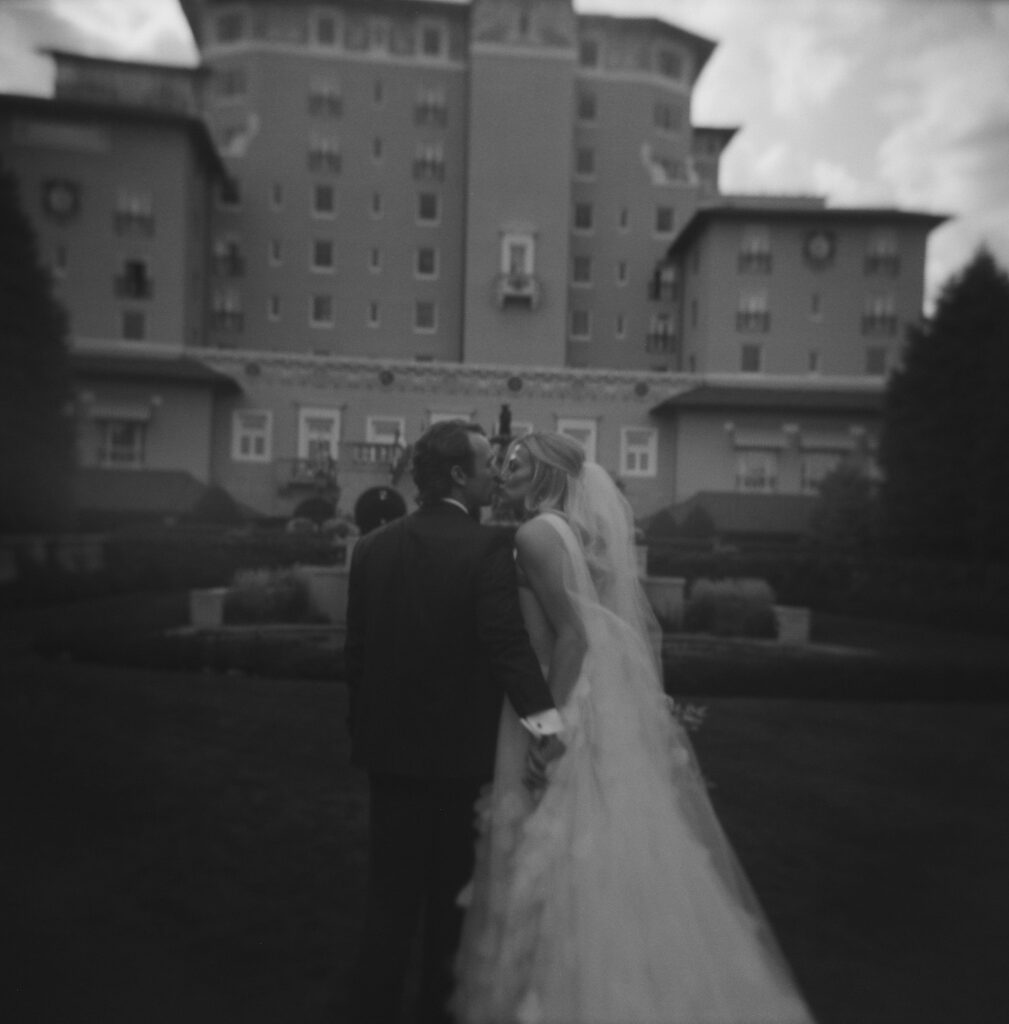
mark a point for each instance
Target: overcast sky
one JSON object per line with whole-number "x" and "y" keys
{"x": 867, "y": 102}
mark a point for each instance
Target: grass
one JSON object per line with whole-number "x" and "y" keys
{"x": 189, "y": 846}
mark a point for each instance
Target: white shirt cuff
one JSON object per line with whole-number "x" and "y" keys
{"x": 546, "y": 723}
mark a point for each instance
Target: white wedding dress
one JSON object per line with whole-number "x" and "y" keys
{"x": 614, "y": 898}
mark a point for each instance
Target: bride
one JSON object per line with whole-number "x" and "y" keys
{"x": 611, "y": 895}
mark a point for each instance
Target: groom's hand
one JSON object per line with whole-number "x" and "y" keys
{"x": 543, "y": 751}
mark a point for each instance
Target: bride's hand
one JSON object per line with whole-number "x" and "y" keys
{"x": 542, "y": 753}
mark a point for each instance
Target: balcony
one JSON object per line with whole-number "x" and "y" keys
{"x": 321, "y": 474}
{"x": 879, "y": 325}
{"x": 661, "y": 340}
{"x": 521, "y": 290}
{"x": 753, "y": 321}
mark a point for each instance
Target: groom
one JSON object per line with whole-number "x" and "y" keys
{"x": 435, "y": 641}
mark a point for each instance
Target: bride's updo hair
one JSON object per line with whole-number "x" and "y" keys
{"x": 556, "y": 459}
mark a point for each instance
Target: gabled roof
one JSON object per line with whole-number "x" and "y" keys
{"x": 786, "y": 399}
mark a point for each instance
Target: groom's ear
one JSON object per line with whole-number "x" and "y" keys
{"x": 458, "y": 475}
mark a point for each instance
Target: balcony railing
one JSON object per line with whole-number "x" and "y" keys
{"x": 660, "y": 341}
{"x": 753, "y": 322}
{"x": 321, "y": 473}
{"x": 230, "y": 264}
{"x": 879, "y": 324}
{"x": 518, "y": 290}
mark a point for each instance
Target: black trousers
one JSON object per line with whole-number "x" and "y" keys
{"x": 421, "y": 849}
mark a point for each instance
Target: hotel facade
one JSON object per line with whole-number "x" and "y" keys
{"x": 356, "y": 218}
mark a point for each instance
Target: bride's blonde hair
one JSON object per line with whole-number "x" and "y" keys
{"x": 556, "y": 459}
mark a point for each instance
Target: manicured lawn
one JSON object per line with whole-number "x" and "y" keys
{"x": 189, "y": 847}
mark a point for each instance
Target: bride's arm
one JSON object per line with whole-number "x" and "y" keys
{"x": 543, "y": 557}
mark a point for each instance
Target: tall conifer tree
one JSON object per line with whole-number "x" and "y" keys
{"x": 945, "y": 445}
{"x": 36, "y": 434}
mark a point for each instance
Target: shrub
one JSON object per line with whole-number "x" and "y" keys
{"x": 739, "y": 607}
{"x": 266, "y": 595}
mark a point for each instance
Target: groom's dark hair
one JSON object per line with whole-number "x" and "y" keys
{"x": 438, "y": 449}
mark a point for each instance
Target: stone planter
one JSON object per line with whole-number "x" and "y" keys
{"x": 666, "y": 596}
{"x": 793, "y": 624}
{"x": 327, "y": 590}
{"x": 206, "y": 607}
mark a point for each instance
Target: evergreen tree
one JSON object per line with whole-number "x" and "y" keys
{"x": 36, "y": 434}
{"x": 846, "y": 510}
{"x": 945, "y": 444}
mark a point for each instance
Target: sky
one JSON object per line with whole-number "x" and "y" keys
{"x": 897, "y": 103}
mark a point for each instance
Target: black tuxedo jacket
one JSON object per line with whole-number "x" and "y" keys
{"x": 435, "y": 640}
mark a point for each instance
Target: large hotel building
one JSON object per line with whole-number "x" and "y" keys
{"x": 357, "y": 217}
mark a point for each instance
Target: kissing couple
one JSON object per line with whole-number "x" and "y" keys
{"x": 538, "y": 822}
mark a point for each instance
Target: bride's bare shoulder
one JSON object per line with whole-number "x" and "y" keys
{"x": 538, "y": 537}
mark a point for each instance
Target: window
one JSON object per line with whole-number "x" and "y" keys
{"x": 377, "y": 149}
{"x": 622, "y": 272}
{"x": 639, "y": 448}
{"x": 586, "y": 106}
{"x": 325, "y": 98}
{"x": 320, "y": 312}
{"x": 375, "y": 261}
{"x": 229, "y": 28}
{"x": 323, "y": 201}
{"x": 427, "y": 208}
{"x": 814, "y": 361}
{"x": 273, "y": 307}
{"x": 620, "y": 327}
{"x": 276, "y": 252}
{"x": 875, "y": 361}
{"x": 374, "y": 318}
{"x": 624, "y": 219}
{"x": 430, "y": 108}
{"x": 226, "y": 310}
{"x": 58, "y": 267}
{"x": 815, "y": 307}
{"x": 585, "y": 162}
{"x": 229, "y": 195}
{"x": 230, "y": 83}
{"x": 378, "y": 92}
{"x": 664, "y": 220}
{"x": 325, "y": 29}
{"x": 228, "y": 259}
{"x": 356, "y": 36}
{"x": 583, "y": 431}
{"x": 751, "y": 358}
{"x": 670, "y": 64}
{"x": 432, "y": 42}
{"x": 668, "y": 117}
{"x": 122, "y": 443}
{"x": 425, "y": 316}
{"x": 323, "y": 256}
{"x": 752, "y": 314}
{"x": 518, "y": 255}
{"x": 880, "y": 316}
{"x": 583, "y": 216}
{"x": 385, "y": 430}
{"x": 376, "y": 205}
{"x": 251, "y": 435}
{"x": 757, "y": 471}
{"x": 881, "y": 256}
{"x": 277, "y": 195}
{"x": 581, "y": 324}
{"x": 319, "y": 435}
{"x": 324, "y": 155}
{"x": 693, "y": 312}
{"x": 429, "y": 162}
{"x": 134, "y": 325}
{"x": 755, "y": 251}
{"x": 134, "y": 213}
{"x": 426, "y": 264}
{"x": 134, "y": 281}
{"x": 581, "y": 270}
{"x": 661, "y": 335}
{"x": 588, "y": 53}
